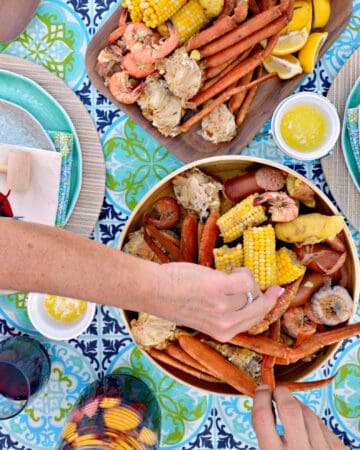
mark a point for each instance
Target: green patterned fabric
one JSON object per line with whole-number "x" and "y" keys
{"x": 63, "y": 143}
{"x": 352, "y": 124}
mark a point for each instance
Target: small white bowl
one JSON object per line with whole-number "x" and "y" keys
{"x": 332, "y": 123}
{"x": 52, "y": 328}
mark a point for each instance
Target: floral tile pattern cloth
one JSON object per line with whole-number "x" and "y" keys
{"x": 57, "y": 39}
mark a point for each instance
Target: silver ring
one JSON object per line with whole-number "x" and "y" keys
{"x": 249, "y": 297}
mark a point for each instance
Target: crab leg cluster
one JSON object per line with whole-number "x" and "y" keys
{"x": 273, "y": 234}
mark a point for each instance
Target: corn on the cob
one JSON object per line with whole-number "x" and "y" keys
{"x": 188, "y": 20}
{"x": 260, "y": 254}
{"x": 289, "y": 267}
{"x": 240, "y": 217}
{"x": 227, "y": 258}
{"x": 152, "y": 12}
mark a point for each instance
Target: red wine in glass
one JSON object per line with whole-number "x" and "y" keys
{"x": 24, "y": 369}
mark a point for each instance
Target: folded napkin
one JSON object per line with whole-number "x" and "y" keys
{"x": 39, "y": 203}
{"x": 353, "y": 128}
{"x": 63, "y": 143}
{"x": 50, "y": 189}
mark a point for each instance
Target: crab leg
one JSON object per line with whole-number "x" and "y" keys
{"x": 229, "y": 49}
{"x": 220, "y": 27}
{"x": 237, "y": 99}
{"x": 282, "y": 304}
{"x": 321, "y": 340}
{"x": 305, "y": 385}
{"x": 218, "y": 365}
{"x": 178, "y": 353}
{"x": 268, "y": 362}
{"x": 221, "y": 99}
{"x": 287, "y": 355}
{"x": 238, "y": 72}
{"x": 248, "y": 100}
{"x": 244, "y": 31}
{"x": 164, "y": 241}
{"x": 170, "y": 361}
{"x": 155, "y": 248}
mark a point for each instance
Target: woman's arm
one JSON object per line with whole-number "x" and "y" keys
{"x": 38, "y": 258}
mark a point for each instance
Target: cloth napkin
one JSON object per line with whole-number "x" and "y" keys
{"x": 353, "y": 128}
{"x": 46, "y": 199}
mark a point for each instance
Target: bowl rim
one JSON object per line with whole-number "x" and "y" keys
{"x": 251, "y": 160}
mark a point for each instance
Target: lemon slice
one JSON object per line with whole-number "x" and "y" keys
{"x": 290, "y": 42}
{"x": 321, "y": 13}
{"x": 309, "y": 54}
{"x": 285, "y": 66}
{"x": 302, "y": 17}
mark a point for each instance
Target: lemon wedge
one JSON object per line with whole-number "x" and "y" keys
{"x": 285, "y": 66}
{"x": 302, "y": 17}
{"x": 290, "y": 42}
{"x": 321, "y": 13}
{"x": 309, "y": 54}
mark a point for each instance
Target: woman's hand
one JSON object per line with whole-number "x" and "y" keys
{"x": 302, "y": 428}
{"x": 212, "y": 301}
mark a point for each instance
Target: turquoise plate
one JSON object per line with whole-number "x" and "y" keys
{"x": 50, "y": 114}
{"x": 352, "y": 101}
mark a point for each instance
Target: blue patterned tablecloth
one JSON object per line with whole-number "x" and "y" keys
{"x": 57, "y": 38}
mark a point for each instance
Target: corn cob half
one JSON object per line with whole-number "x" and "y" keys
{"x": 152, "y": 12}
{"x": 188, "y": 20}
{"x": 289, "y": 267}
{"x": 234, "y": 222}
{"x": 260, "y": 254}
{"x": 227, "y": 258}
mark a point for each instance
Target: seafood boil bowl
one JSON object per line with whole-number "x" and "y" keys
{"x": 222, "y": 168}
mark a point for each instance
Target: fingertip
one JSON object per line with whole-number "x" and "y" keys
{"x": 274, "y": 292}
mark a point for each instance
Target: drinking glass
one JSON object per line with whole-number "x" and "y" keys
{"x": 24, "y": 369}
{"x": 117, "y": 412}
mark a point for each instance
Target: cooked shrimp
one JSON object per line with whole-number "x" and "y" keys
{"x": 120, "y": 30}
{"x": 136, "y": 68}
{"x": 145, "y": 47}
{"x": 281, "y": 207}
{"x": 295, "y": 322}
{"x": 121, "y": 87}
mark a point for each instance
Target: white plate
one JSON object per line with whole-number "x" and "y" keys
{"x": 18, "y": 127}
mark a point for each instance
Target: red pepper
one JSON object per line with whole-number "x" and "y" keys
{"x": 5, "y": 207}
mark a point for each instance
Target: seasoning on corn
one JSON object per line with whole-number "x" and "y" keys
{"x": 227, "y": 258}
{"x": 152, "y": 12}
{"x": 233, "y": 223}
{"x": 260, "y": 254}
{"x": 289, "y": 267}
{"x": 188, "y": 20}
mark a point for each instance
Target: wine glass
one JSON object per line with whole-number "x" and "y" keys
{"x": 24, "y": 369}
{"x": 118, "y": 411}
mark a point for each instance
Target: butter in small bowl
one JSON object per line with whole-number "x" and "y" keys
{"x": 305, "y": 126}
{"x": 59, "y": 318}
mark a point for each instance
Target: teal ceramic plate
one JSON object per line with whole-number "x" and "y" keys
{"x": 352, "y": 101}
{"x": 18, "y": 127}
{"x": 50, "y": 114}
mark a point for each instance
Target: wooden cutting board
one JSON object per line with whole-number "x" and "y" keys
{"x": 15, "y": 16}
{"x": 190, "y": 146}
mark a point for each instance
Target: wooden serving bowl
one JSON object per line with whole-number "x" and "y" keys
{"x": 225, "y": 167}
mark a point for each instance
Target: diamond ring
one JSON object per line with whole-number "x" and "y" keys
{"x": 249, "y": 297}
